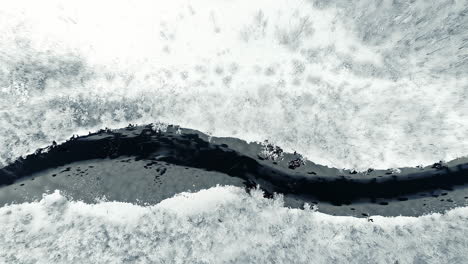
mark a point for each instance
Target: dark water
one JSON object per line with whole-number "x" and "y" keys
{"x": 141, "y": 165}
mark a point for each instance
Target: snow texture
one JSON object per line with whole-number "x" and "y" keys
{"x": 221, "y": 225}
{"x": 356, "y": 84}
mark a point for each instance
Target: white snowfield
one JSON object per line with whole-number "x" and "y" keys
{"x": 221, "y": 225}
{"x": 358, "y": 84}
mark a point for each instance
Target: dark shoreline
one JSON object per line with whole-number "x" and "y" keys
{"x": 181, "y": 153}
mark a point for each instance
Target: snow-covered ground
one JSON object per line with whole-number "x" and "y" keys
{"x": 376, "y": 84}
{"x": 221, "y": 225}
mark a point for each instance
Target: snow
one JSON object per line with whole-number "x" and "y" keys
{"x": 221, "y": 225}
{"x": 349, "y": 85}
